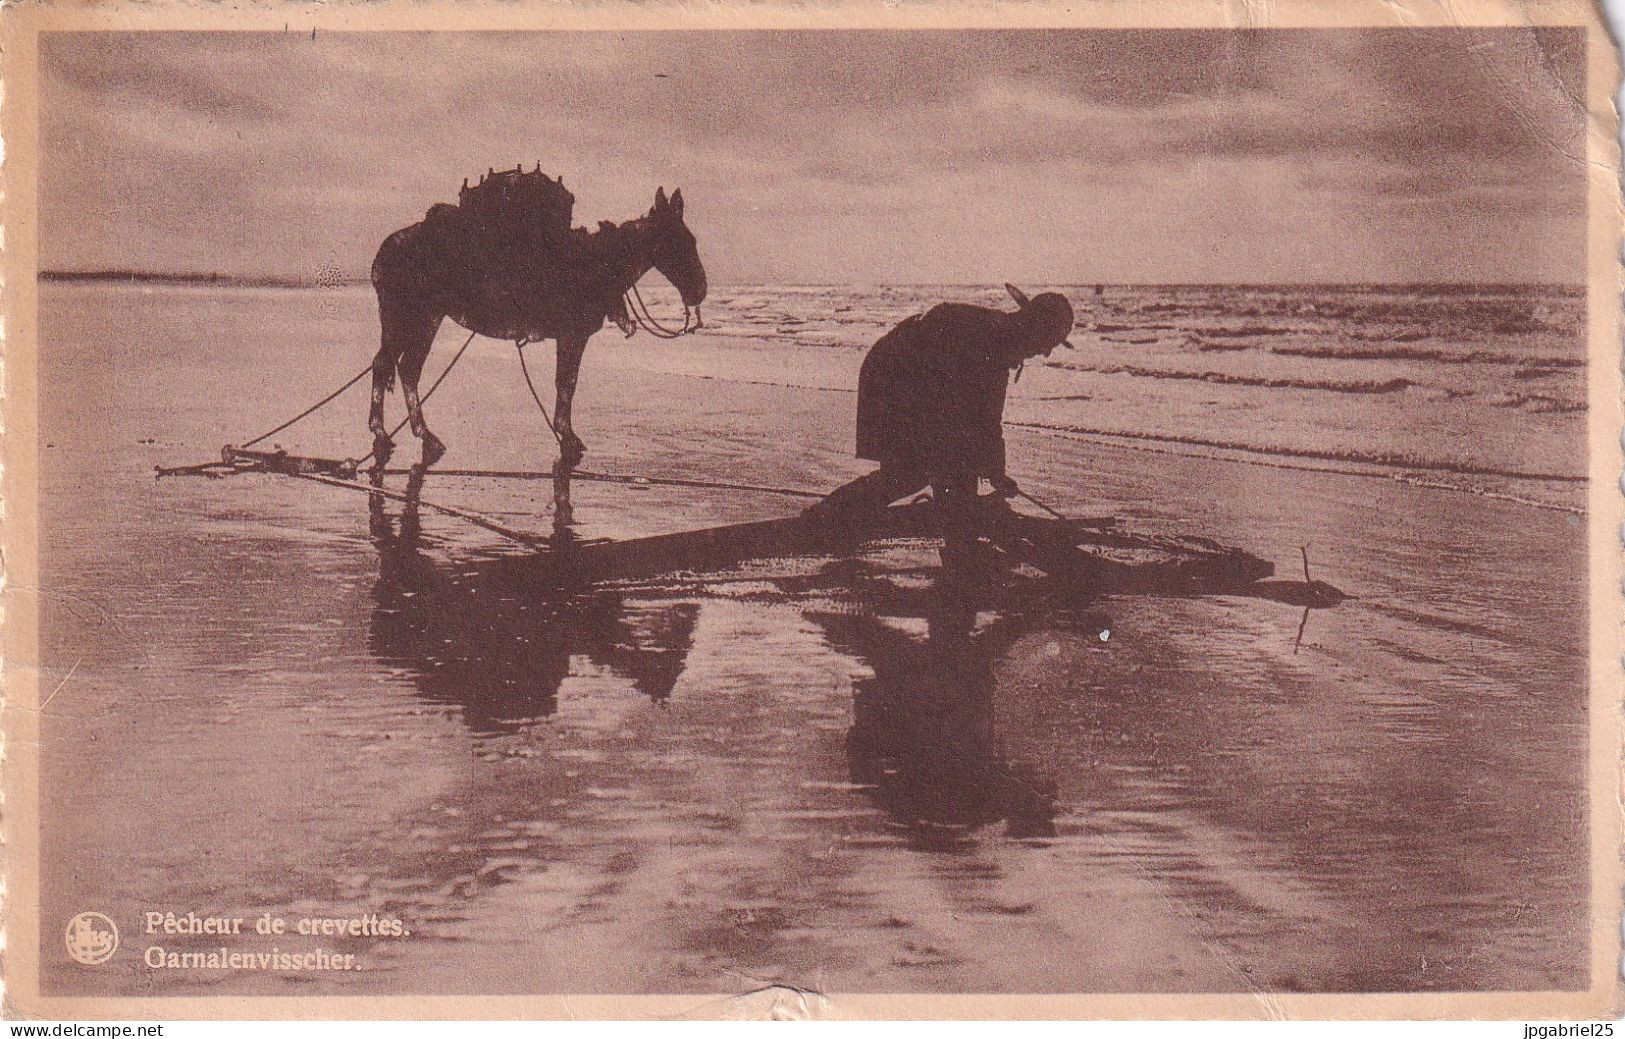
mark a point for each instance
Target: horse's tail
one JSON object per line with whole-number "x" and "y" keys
{"x": 396, "y": 276}
{"x": 390, "y": 263}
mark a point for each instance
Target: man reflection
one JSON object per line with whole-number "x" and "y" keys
{"x": 493, "y": 638}
{"x": 924, "y": 733}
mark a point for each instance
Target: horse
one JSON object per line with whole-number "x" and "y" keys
{"x": 523, "y": 283}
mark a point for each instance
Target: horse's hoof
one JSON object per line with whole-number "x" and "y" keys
{"x": 382, "y": 448}
{"x": 571, "y": 451}
{"x": 433, "y": 449}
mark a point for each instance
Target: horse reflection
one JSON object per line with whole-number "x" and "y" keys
{"x": 924, "y": 734}
{"x": 492, "y": 639}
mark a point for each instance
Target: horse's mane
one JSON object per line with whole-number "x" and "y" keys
{"x": 610, "y": 227}
{"x": 573, "y": 254}
{"x": 604, "y": 240}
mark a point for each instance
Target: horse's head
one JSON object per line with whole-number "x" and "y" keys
{"x": 676, "y": 256}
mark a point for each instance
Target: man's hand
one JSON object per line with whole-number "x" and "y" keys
{"x": 1004, "y": 486}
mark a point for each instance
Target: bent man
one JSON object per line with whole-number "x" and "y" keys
{"x": 931, "y": 405}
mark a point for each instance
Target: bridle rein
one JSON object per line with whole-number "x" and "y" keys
{"x": 692, "y": 321}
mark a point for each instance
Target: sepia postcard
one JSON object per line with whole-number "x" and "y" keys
{"x": 921, "y": 510}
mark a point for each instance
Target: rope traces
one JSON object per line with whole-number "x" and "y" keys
{"x": 330, "y": 398}
{"x": 523, "y": 367}
{"x": 692, "y": 322}
{"x": 432, "y": 387}
{"x": 641, "y": 314}
{"x": 313, "y": 408}
{"x": 241, "y": 459}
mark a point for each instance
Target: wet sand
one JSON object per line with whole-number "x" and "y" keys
{"x": 827, "y": 772}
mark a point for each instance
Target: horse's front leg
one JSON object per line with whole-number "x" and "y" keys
{"x": 567, "y": 369}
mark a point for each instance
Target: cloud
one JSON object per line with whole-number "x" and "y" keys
{"x": 913, "y": 156}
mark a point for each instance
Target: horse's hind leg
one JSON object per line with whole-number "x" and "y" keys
{"x": 396, "y": 331}
{"x": 383, "y": 376}
{"x": 419, "y": 330}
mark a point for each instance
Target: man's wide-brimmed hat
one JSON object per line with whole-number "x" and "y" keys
{"x": 1049, "y": 313}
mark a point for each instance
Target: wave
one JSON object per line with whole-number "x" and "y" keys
{"x": 1386, "y": 459}
{"x": 1539, "y": 368}
{"x": 1393, "y": 385}
{"x": 1309, "y": 466}
{"x": 1406, "y": 470}
{"x": 1539, "y": 403}
{"x": 791, "y": 336}
{"x": 1380, "y": 336}
{"x": 1245, "y": 330}
{"x": 1398, "y": 352}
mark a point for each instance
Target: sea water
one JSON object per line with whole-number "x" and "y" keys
{"x": 268, "y": 696}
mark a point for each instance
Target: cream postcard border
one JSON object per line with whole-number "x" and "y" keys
{"x": 20, "y": 26}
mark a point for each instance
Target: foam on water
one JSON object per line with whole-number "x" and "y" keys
{"x": 1477, "y": 381}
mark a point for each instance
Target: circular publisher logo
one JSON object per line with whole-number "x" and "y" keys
{"x": 92, "y": 939}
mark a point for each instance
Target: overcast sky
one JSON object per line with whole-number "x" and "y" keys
{"x": 1044, "y": 157}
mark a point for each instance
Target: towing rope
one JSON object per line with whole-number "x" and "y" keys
{"x": 1041, "y": 505}
{"x": 621, "y": 478}
{"x": 313, "y": 408}
{"x": 641, "y": 315}
{"x": 472, "y": 517}
{"x": 521, "y": 344}
{"x": 260, "y": 466}
{"x": 432, "y": 387}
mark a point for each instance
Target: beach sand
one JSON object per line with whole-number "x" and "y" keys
{"x": 820, "y": 772}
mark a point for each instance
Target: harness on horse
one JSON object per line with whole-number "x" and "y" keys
{"x": 629, "y": 316}
{"x": 503, "y": 200}
{"x": 516, "y": 198}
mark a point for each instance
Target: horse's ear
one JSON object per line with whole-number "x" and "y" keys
{"x": 660, "y": 199}
{"x": 677, "y": 203}
{"x": 1017, "y": 295}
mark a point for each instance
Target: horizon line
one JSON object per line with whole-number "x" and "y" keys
{"x": 287, "y": 281}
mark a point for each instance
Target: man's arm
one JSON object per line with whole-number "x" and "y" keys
{"x": 992, "y": 425}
